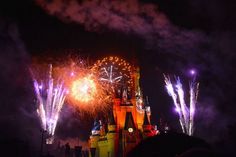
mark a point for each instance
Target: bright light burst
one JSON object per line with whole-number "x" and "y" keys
{"x": 186, "y": 113}
{"x": 85, "y": 93}
{"x": 50, "y": 96}
{"x": 84, "y": 89}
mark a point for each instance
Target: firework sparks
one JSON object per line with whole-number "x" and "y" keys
{"x": 186, "y": 114}
{"x": 84, "y": 93}
{"x": 84, "y": 89}
{"x": 110, "y": 76}
{"x": 113, "y": 70}
{"x": 50, "y": 96}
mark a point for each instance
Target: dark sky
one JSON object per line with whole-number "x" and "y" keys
{"x": 198, "y": 34}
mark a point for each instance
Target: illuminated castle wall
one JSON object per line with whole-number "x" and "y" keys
{"x": 128, "y": 124}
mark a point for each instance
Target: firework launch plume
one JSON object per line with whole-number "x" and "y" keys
{"x": 50, "y": 95}
{"x": 186, "y": 113}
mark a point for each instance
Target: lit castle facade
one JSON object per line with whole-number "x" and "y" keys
{"x": 128, "y": 123}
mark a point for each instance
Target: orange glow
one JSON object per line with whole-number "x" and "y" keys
{"x": 84, "y": 89}
{"x": 85, "y": 93}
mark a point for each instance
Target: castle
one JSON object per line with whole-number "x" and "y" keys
{"x": 128, "y": 123}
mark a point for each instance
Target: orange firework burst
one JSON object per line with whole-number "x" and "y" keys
{"x": 84, "y": 89}
{"x": 85, "y": 92}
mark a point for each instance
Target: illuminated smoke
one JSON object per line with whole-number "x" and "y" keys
{"x": 129, "y": 17}
{"x": 186, "y": 113}
{"x": 126, "y": 16}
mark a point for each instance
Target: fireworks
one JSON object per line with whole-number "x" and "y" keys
{"x": 109, "y": 75}
{"x": 85, "y": 93}
{"x": 50, "y": 96}
{"x": 186, "y": 113}
{"x": 113, "y": 71}
{"x": 84, "y": 89}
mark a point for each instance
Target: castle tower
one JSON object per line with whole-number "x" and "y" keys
{"x": 112, "y": 137}
{"x": 130, "y": 134}
{"x": 94, "y": 139}
{"x": 147, "y": 127}
{"x": 129, "y": 121}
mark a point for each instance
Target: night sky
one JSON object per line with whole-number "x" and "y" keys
{"x": 161, "y": 36}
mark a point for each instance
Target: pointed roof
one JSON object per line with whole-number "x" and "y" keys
{"x": 96, "y": 128}
{"x": 124, "y": 95}
{"x": 111, "y": 119}
{"x": 129, "y": 121}
{"x": 96, "y": 125}
{"x": 146, "y": 121}
{"x": 125, "y": 101}
{"x": 147, "y": 101}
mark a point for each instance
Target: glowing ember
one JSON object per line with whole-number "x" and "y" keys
{"x": 84, "y": 89}
{"x": 192, "y": 72}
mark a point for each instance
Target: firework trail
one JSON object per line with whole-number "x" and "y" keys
{"x": 186, "y": 114}
{"x": 50, "y": 96}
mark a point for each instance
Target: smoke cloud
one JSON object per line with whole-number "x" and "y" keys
{"x": 129, "y": 17}
{"x": 18, "y": 118}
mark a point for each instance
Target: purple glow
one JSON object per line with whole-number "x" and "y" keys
{"x": 177, "y": 110}
{"x": 192, "y": 72}
{"x": 192, "y": 111}
{"x": 40, "y": 86}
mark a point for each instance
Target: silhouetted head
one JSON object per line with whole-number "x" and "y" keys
{"x": 198, "y": 152}
{"x": 167, "y": 145}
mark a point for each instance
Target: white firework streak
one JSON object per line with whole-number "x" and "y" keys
{"x": 50, "y": 98}
{"x": 171, "y": 92}
{"x": 193, "y": 100}
{"x": 183, "y": 107}
{"x": 109, "y": 76}
{"x": 186, "y": 115}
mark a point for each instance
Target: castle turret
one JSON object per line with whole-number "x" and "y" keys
{"x": 94, "y": 139}
{"x": 130, "y": 134}
{"x": 111, "y": 123}
{"x": 103, "y": 143}
{"x": 112, "y": 136}
{"x": 124, "y": 96}
{"x": 129, "y": 122}
{"x": 147, "y": 127}
{"x": 148, "y": 109}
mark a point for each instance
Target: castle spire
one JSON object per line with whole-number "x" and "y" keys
{"x": 111, "y": 119}
{"x": 96, "y": 128}
{"x": 146, "y": 121}
{"x": 124, "y": 96}
{"x": 129, "y": 121}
